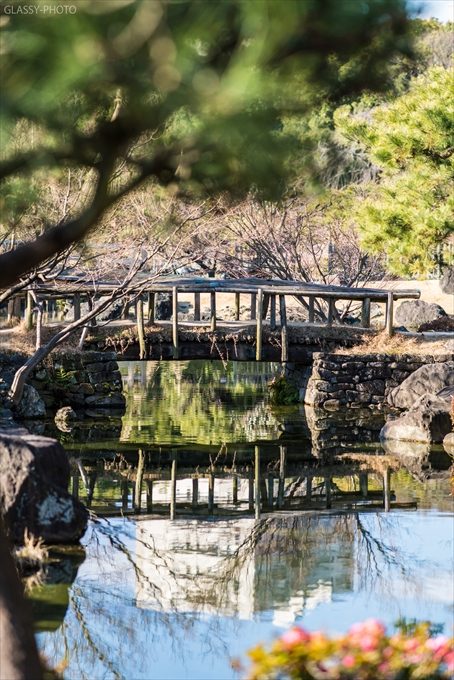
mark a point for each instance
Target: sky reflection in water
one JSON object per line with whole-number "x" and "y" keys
{"x": 161, "y": 599}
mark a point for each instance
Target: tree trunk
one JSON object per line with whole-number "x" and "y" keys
{"x": 19, "y": 658}
{"x": 24, "y": 371}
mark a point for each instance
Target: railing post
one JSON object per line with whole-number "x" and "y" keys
{"x": 151, "y": 307}
{"x": 390, "y": 313}
{"x": 76, "y": 305}
{"x": 29, "y": 312}
{"x": 39, "y": 322}
{"x": 273, "y": 312}
{"x": 311, "y": 310}
{"x": 176, "y": 351}
{"x": 237, "y": 306}
{"x": 365, "y": 313}
{"x": 284, "y": 334}
{"x": 253, "y": 306}
{"x": 331, "y": 308}
{"x": 259, "y": 339}
{"x": 213, "y": 310}
{"x": 196, "y": 306}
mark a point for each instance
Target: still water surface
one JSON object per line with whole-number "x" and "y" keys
{"x": 305, "y": 539}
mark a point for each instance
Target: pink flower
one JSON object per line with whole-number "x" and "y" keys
{"x": 294, "y": 636}
{"x": 356, "y": 629}
{"x": 348, "y": 661}
{"x": 449, "y": 661}
{"x": 368, "y": 643}
{"x": 374, "y": 627}
{"x": 437, "y": 642}
{"x": 411, "y": 645}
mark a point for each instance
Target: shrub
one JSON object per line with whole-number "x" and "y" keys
{"x": 365, "y": 652}
{"x": 282, "y": 392}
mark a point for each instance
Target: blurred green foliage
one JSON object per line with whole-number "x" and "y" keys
{"x": 410, "y": 140}
{"x": 199, "y": 89}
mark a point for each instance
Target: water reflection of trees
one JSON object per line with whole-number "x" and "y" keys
{"x": 198, "y": 401}
{"x": 118, "y": 606}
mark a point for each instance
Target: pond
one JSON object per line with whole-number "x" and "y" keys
{"x": 220, "y": 521}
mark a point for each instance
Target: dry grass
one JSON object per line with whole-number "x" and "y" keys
{"x": 19, "y": 339}
{"x": 33, "y": 549}
{"x": 381, "y": 343}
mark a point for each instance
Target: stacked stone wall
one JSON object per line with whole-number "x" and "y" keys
{"x": 360, "y": 380}
{"x": 86, "y": 380}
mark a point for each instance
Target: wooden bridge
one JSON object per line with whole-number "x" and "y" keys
{"x": 266, "y": 300}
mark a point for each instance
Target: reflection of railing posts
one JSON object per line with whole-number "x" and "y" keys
{"x": 124, "y": 494}
{"x": 75, "y": 483}
{"x": 210, "y": 493}
{"x": 196, "y": 306}
{"x": 257, "y": 482}
{"x": 173, "y": 485}
{"x": 270, "y": 490}
{"x": 140, "y": 328}
{"x": 387, "y": 489}
{"x": 139, "y": 481}
{"x": 235, "y": 489}
{"x": 363, "y": 484}
{"x": 308, "y": 487}
{"x": 328, "y": 492}
{"x": 259, "y": 338}
{"x": 175, "y": 322}
{"x": 195, "y": 492}
{"x": 280, "y": 491}
{"x": 251, "y": 490}
{"x": 92, "y": 477}
{"x": 149, "y": 495}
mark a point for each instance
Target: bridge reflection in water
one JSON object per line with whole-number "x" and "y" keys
{"x": 267, "y": 483}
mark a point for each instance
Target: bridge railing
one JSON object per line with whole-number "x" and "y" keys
{"x": 265, "y": 296}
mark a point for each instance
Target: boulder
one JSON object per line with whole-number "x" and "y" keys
{"x": 429, "y": 421}
{"x": 444, "y": 324}
{"x": 163, "y": 310}
{"x": 447, "y": 281}
{"x": 31, "y": 405}
{"x": 34, "y": 479}
{"x": 428, "y": 379}
{"x": 413, "y": 313}
{"x": 448, "y": 443}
